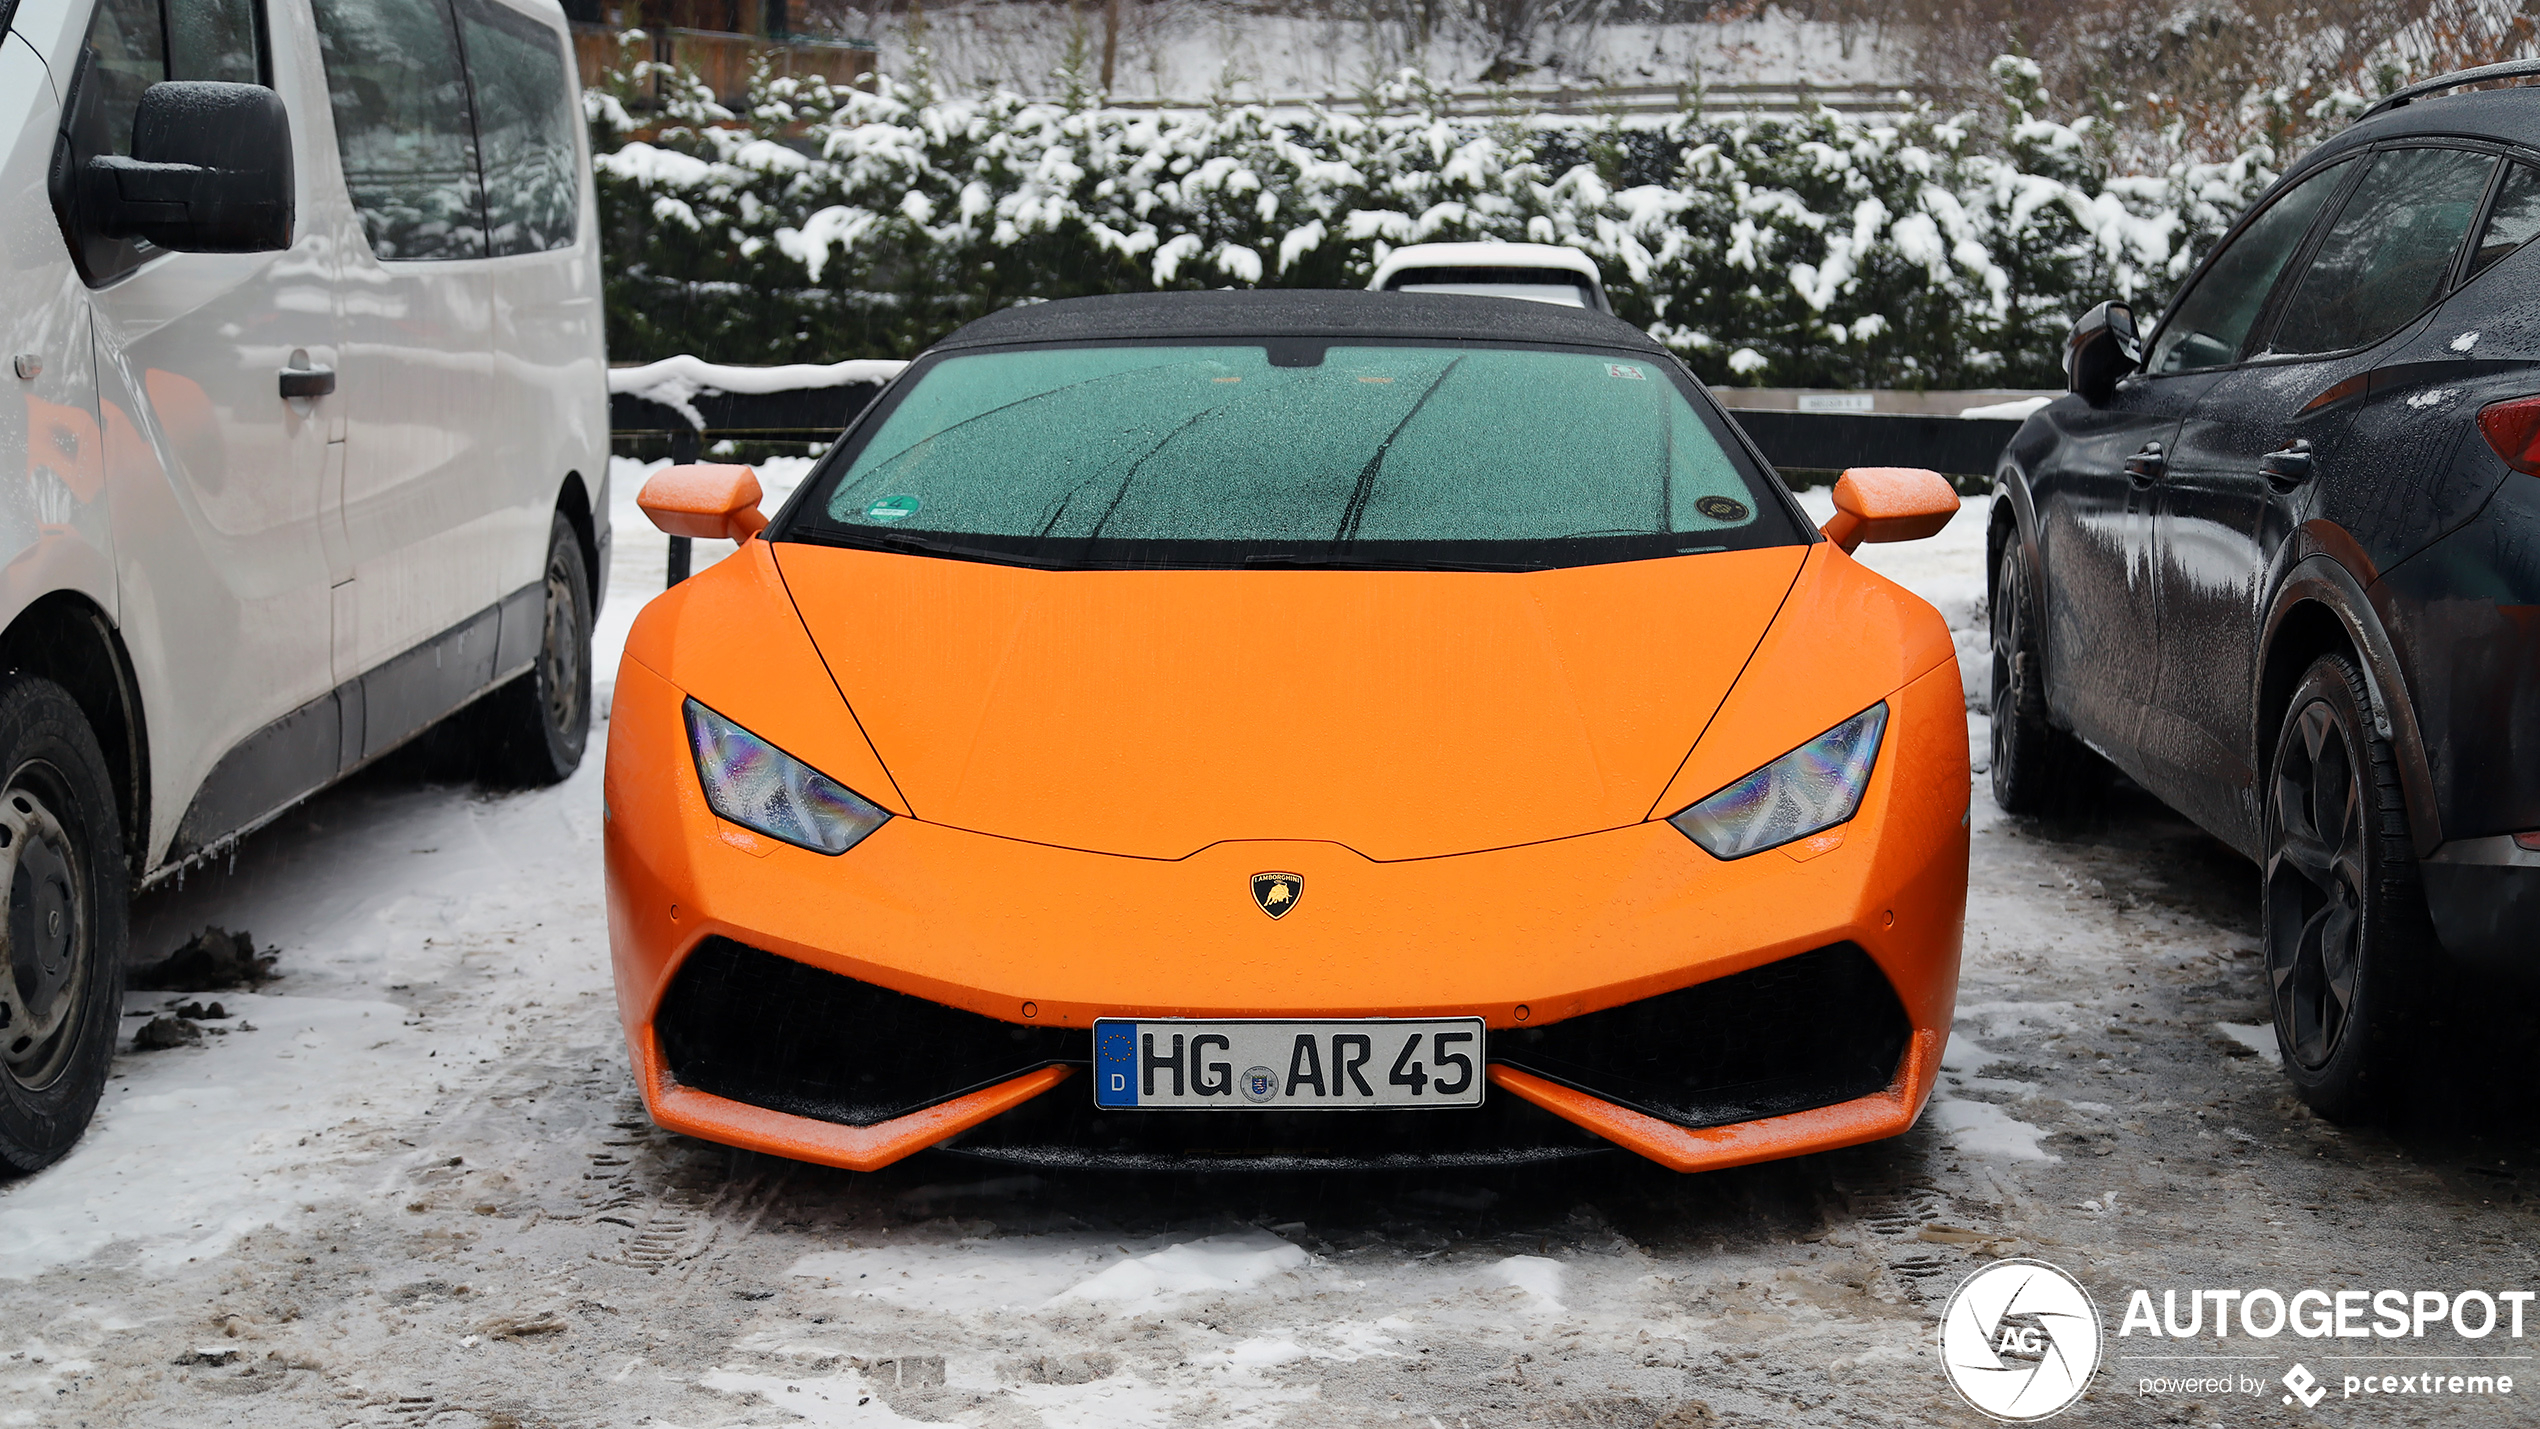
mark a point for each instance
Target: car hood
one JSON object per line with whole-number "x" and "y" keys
{"x": 1404, "y": 714}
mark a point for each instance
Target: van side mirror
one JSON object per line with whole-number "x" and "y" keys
{"x": 2101, "y": 350}
{"x": 1889, "y": 503}
{"x": 707, "y": 503}
{"x": 210, "y": 171}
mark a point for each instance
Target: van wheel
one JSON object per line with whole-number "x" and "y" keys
{"x": 2344, "y": 920}
{"x": 2037, "y": 768}
{"x": 62, "y": 864}
{"x": 541, "y": 721}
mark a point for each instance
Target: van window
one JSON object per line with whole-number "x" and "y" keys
{"x": 403, "y": 126}
{"x": 130, "y": 46}
{"x": 2390, "y": 252}
{"x": 524, "y": 130}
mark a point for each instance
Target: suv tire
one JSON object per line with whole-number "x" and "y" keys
{"x": 2037, "y": 768}
{"x": 62, "y": 928}
{"x": 538, "y": 725}
{"x": 2344, "y": 924}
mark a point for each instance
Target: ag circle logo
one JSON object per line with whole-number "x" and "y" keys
{"x": 2019, "y": 1340}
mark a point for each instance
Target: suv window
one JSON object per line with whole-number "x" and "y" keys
{"x": 2211, "y": 324}
{"x": 132, "y": 45}
{"x": 403, "y": 126}
{"x": 2390, "y": 252}
{"x": 2512, "y": 222}
{"x": 524, "y": 130}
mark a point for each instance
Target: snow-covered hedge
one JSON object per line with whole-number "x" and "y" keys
{"x": 1941, "y": 251}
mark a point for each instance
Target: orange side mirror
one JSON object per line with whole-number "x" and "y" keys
{"x": 710, "y": 503}
{"x": 1889, "y": 503}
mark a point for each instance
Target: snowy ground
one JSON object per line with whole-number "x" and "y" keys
{"x": 421, "y": 1191}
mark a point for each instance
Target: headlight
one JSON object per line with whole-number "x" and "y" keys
{"x": 758, "y": 786}
{"x": 1816, "y": 786}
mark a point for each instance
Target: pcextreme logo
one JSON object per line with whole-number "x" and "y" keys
{"x": 2019, "y": 1340}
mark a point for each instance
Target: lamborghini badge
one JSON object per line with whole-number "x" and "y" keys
{"x": 1277, "y": 892}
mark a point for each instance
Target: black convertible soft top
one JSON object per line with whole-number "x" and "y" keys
{"x": 1345, "y": 313}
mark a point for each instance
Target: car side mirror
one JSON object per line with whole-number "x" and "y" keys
{"x": 210, "y": 171}
{"x": 1889, "y": 503}
{"x": 707, "y": 503}
{"x": 2101, "y": 350}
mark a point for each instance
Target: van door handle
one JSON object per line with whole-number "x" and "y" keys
{"x": 308, "y": 381}
{"x": 2148, "y": 465}
{"x": 2288, "y": 466}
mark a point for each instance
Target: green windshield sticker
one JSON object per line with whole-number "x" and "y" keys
{"x": 892, "y": 508}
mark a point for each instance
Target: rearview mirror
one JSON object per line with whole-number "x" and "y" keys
{"x": 210, "y": 171}
{"x": 706, "y": 503}
{"x": 2101, "y": 350}
{"x": 1889, "y": 503}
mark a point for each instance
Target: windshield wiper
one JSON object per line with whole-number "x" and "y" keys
{"x": 1285, "y": 560}
{"x": 945, "y": 546}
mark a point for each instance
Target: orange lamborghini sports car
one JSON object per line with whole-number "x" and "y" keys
{"x": 1289, "y": 730}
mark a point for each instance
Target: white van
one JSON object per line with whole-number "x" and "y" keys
{"x": 307, "y": 446}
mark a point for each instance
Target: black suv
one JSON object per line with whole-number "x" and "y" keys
{"x": 2280, "y": 563}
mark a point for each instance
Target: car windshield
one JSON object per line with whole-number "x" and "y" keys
{"x": 1293, "y": 453}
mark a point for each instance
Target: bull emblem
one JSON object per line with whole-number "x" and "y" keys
{"x": 1276, "y": 893}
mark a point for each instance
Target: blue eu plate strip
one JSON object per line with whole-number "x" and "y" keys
{"x": 1115, "y": 1063}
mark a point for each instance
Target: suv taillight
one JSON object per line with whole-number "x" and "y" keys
{"x": 2530, "y": 840}
{"x": 2513, "y": 429}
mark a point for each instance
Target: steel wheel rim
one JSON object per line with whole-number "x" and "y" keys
{"x": 560, "y": 658}
{"x": 2316, "y": 891}
{"x": 45, "y": 939}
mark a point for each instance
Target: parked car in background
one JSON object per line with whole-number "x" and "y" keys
{"x": 307, "y": 447}
{"x": 1537, "y": 272}
{"x": 2280, "y": 563}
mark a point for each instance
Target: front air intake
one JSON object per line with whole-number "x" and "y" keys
{"x": 1805, "y": 1032}
{"x": 756, "y": 1028}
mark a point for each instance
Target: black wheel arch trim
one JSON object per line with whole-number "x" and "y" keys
{"x": 2321, "y": 579}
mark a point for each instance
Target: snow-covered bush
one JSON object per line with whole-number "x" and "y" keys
{"x": 1939, "y": 251}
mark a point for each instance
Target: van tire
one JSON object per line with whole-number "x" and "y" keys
{"x": 64, "y": 912}
{"x": 539, "y": 724}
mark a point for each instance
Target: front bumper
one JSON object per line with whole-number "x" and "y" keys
{"x": 964, "y": 941}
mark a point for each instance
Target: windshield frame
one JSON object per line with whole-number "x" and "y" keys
{"x": 1779, "y": 520}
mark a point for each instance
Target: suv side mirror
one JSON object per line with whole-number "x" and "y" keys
{"x": 210, "y": 171}
{"x": 2101, "y": 350}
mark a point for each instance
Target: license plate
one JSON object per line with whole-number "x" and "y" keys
{"x": 1288, "y": 1065}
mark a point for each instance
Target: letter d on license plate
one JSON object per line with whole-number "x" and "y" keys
{"x": 1288, "y": 1065}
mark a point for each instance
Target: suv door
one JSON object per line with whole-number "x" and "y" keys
{"x": 2274, "y": 445}
{"x": 2094, "y": 488}
{"x": 422, "y": 485}
{"x": 217, "y": 481}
